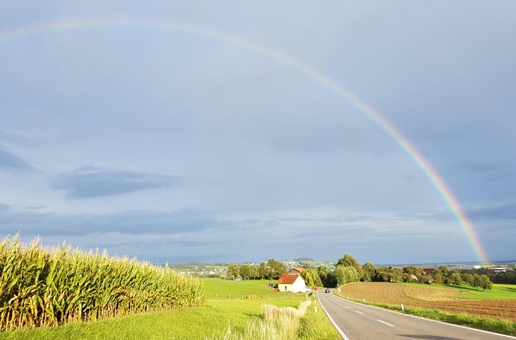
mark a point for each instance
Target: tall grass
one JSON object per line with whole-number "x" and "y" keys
{"x": 49, "y": 286}
{"x": 279, "y": 323}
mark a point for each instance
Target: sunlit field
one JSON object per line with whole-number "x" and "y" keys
{"x": 213, "y": 319}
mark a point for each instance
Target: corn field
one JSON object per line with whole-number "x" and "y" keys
{"x": 49, "y": 286}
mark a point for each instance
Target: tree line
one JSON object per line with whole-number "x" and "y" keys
{"x": 349, "y": 270}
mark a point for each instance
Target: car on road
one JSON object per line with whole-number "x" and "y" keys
{"x": 326, "y": 290}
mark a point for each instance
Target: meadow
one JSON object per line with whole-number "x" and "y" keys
{"x": 498, "y": 292}
{"x": 213, "y": 319}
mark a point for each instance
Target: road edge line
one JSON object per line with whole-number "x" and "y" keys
{"x": 333, "y": 322}
{"x": 418, "y": 317}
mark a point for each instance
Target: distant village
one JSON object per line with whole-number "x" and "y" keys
{"x": 219, "y": 270}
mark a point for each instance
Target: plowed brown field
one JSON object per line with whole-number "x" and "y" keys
{"x": 428, "y": 297}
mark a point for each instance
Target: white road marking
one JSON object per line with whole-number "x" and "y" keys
{"x": 340, "y": 304}
{"x": 333, "y": 322}
{"x": 388, "y": 324}
{"x": 430, "y": 320}
{"x": 359, "y": 312}
{"x": 347, "y": 307}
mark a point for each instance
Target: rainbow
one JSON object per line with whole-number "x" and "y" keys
{"x": 310, "y": 72}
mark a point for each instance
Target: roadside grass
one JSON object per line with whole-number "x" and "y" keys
{"x": 463, "y": 319}
{"x": 213, "y": 319}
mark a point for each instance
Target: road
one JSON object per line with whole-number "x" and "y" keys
{"x": 357, "y": 322}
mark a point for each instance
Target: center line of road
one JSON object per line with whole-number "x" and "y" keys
{"x": 340, "y": 304}
{"x": 388, "y": 324}
{"x": 359, "y": 312}
{"x": 347, "y": 307}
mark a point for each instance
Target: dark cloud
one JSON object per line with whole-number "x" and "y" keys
{"x": 126, "y": 222}
{"x": 88, "y": 182}
{"x": 10, "y": 162}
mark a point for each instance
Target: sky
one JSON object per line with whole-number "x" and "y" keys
{"x": 174, "y": 145}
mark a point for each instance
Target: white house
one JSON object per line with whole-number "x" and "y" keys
{"x": 291, "y": 283}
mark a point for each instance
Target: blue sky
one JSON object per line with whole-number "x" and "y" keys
{"x": 176, "y": 147}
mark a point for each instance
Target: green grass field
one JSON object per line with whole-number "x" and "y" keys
{"x": 193, "y": 323}
{"x": 498, "y": 292}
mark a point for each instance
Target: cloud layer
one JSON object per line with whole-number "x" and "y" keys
{"x": 90, "y": 182}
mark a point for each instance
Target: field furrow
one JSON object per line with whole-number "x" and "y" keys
{"x": 428, "y": 297}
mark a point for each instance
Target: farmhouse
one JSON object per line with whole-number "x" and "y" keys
{"x": 291, "y": 283}
{"x": 296, "y": 271}
{"x": 428, "y": 271}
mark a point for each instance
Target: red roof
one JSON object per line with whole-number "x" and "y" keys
{"x": 299, "y": 270}
{"x": 287, "y": 279}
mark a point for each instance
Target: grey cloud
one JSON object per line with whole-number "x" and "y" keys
{"x": 480, "y": 167}
{"x": 10, "y": 162}
{"x": 496, "y": 212}
{"x": 126, "y": 222}
{"x": 88, "y": 182}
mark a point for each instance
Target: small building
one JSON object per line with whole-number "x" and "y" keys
{"x": 428, "y": 271}
{"x": 296, "y": 271}
{"x": 477, "y": 267}
{"x": 291, "y": 283}
{"x": 499, "y": 270}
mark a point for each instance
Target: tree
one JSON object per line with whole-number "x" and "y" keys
{"x": 263, "y": 270}
{"x": 396, "y": 274}
{"x": 255, "y": 273}
{"x": 345, "y": 275}
{"x": 468, "y": 278}
{"x": 485, "y": 282}
{"x": 477, "y": 281}
{"x": 233, "y": 270}
{"x": 277, "y": 268}
{"x": 438, "y": 278}
{"x": 413, "y": 270}
{"x": 456, "y": 278}
{"x": 369, "y": 272}
{"x": 444, "y": 271}
{"x": 308, "y": 278}
{"x": 327, "y": 278}
{"x": 350, "y": 261}
{"x": 245, "y": 271}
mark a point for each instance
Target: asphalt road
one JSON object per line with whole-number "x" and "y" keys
{"x": 357, "y": 322}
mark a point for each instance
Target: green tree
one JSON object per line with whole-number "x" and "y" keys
{"x": 350, "y": 261}
{"x": 255, "y": 273}
{"x": 438, "y": 279}
{"x": 346, "y": 275}
{"x": 476, "y": 282}
{"x": 396, "y": 274}
{"x": 368, "y": 272}
{"x": 245, "y": 271}
{"x": 444, "y": 271}
{"x": 413, "y": 270}
{"x": 233, "y": 270}
{"x": 277, "y": 268}
{"x": 456, "y": 278}
{"x": 468, "y": 278}
{"x": 263, "y": 270}
{"x": 485, "y": 282}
